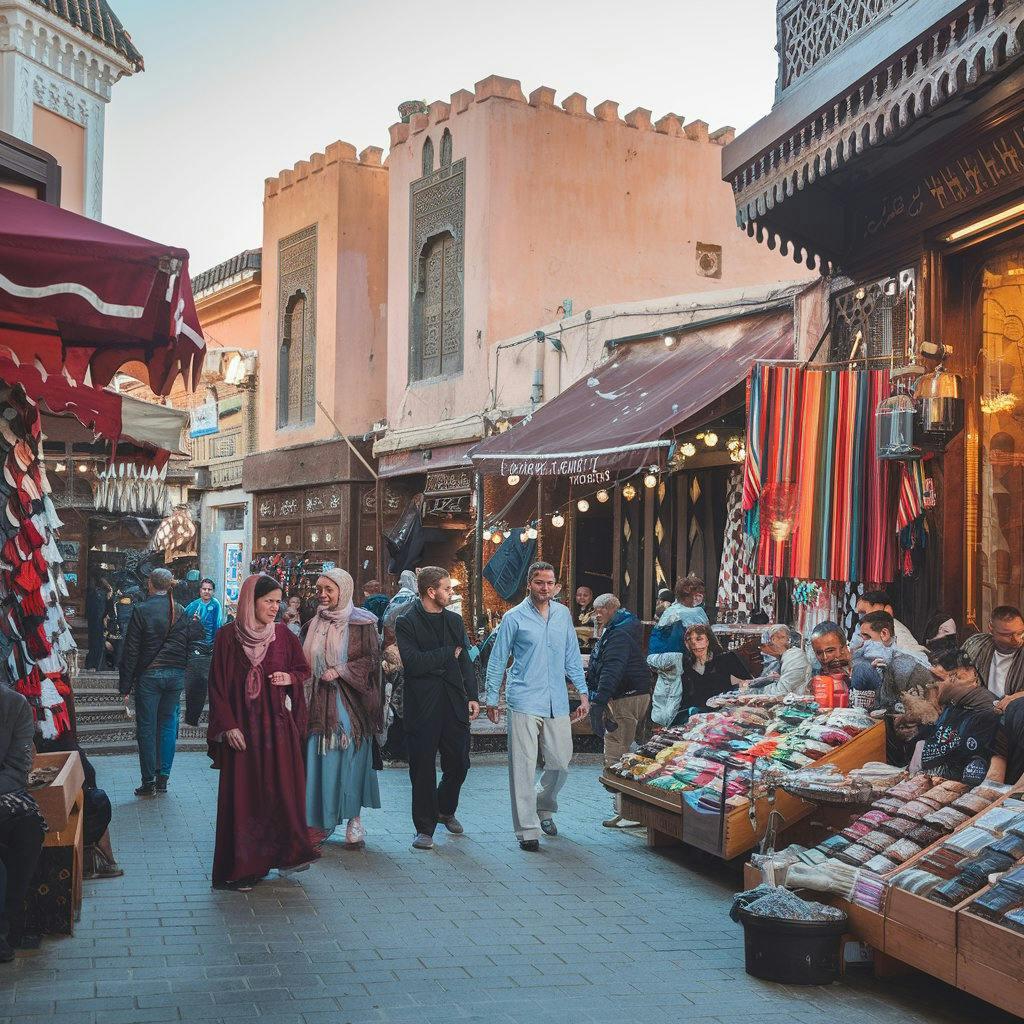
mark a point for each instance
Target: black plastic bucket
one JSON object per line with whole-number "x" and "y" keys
{"x": 792, "y": 952}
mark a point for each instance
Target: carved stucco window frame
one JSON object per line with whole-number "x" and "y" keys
{"x": 448, "y": 218}
{"x": 297, "y": 268}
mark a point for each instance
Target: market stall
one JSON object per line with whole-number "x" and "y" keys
{"x": 709, "y": 783}
{"x": 932, "y": 875}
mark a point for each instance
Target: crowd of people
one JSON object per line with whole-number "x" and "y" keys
{"x": 303, "y": 708}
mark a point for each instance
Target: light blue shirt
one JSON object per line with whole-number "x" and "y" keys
{"x": 545, "y": 652}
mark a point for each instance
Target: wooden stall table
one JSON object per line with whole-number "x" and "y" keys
{"x": 54, "y": 901}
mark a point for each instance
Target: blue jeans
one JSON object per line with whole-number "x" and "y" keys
{"x": 157, "y": 700}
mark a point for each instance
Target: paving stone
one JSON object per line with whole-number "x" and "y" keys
{"x": 596, "y": 929}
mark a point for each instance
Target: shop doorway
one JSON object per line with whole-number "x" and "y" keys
{"x": 594, "y": 541}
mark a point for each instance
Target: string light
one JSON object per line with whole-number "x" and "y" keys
{"x": 487, "y": 535}
{"x": 82, "y": 467}
{"x": 583, "y": 505}
{"x": 629, "y": 492}
{"x": 532, "y": 533}
{"x": 513, "y": 480}
{"x": 497, "y": 536}
{"x": 689, "y": 449}
{"x": 711, "y": 439}
{"x": 650, "y": 481}
{"x": 670, "y": 340}
{"x": 602, "y": 495}
{"x": 558, "y": 520}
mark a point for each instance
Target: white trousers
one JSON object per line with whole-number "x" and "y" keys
{"x": 530, "y": 801}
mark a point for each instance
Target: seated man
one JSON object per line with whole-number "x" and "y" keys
{"x": 878, "y": 601}
{"x": 831, "y": 651}
{"x": 998, "y": 655}
{"x": 21, "y": 824}
{"x": 883, "y": 667}
{"x": 619, "y": 683}
{"x": 961, "y": 742}
{"x": 1008, "y": 752}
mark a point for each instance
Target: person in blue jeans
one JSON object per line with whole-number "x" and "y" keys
{"x": 157, "y": 646}
{"x": 206, "y": 608}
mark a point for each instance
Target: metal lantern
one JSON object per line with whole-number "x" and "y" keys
{"x": 940, "y": 408}
{"x": 894, "y": 429}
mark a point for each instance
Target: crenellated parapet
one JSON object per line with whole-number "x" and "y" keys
{"x": 336, "y": 152}
{"x": 575, "y": 104}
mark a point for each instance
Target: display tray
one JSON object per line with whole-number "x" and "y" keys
{"x": 732, "y": 834}
{"x": 998, "y": 949}
{"x": 58, "y": 797}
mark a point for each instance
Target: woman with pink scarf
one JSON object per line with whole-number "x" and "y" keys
{"x": 257, "y": 725}
{"x": 344, "y": 694}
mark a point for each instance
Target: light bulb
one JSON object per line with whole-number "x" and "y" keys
{"x": 670, "y": 340}
{"x": 689, "y": 449}
{"x": 487, "y": 535}
{"x": 711, "y": 439}
{"x": 314, "y": 537}
{"x": 60, "y": 467}
{"x": 532, "y": 533}
{"x": 732, "y": 444}
{"x": 583, "y": 505}
{"x": 82, "y": 467}
{"x": 524, "y": 535}
{"x": 650, "y": 481}
{"x": 602, "y": 496}
{"x": 558, "y": 520}
{"x": 629, "y": 492}
{"x": 497, "y": 536}
{"x": 513, "y": 480}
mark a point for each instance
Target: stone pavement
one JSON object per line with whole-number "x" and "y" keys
{"x": 596, "y": 928}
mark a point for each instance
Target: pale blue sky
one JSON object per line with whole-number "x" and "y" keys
{"x": 236, "y": 90}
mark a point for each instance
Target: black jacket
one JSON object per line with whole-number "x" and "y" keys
{"x": 960, "y": 744}
{"x": 617, "y": 666}
{"x": 152, "y": 642}
{"x": 433, "y": 675}
{"x": 16, "y": 730}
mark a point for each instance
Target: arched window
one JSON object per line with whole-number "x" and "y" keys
{"x": 295, "y": 389}
{"x": 446, "y": 149}
{"x": 437, "y": 310}
{"x": 428, "y": 156}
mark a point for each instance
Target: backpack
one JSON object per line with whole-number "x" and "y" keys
{"x": 667, "y": 639}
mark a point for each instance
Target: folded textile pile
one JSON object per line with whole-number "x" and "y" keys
{"x": 779, "y": 903}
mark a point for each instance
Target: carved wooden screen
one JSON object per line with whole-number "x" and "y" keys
{"x": 436, "y": 273}
{"x": 296, "y": 382}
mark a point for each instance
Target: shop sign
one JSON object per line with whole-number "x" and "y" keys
{"x": 204, "y": 419}
{"x": 994, "y": 165}
{"x": 580, "y": 471}
{"x": 446, "y": 505}
{"x": 232, "y": 571}
{"x": 448, "y": 481}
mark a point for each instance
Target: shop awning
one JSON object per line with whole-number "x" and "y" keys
{"x": 82, "y": 298}
{"x": 423, "y": 460}
{"x": 616, "y": 418}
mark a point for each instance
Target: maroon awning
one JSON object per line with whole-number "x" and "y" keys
{"x": 423, "y": 460}
{"x": 616, "y": 418}
{"x": 84, "y": 298}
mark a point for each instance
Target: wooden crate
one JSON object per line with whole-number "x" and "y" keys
{"x": 994, "y": 946}
{"x": 55, "y": 895}
{"x": 993, "y": 986}
{"x": 58, "y": 798}
{"x": 735, "y": 836}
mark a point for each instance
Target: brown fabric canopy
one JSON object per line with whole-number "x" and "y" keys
{"x": 614, "y": 419}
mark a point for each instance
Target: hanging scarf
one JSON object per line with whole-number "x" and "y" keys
{"x": 327, "y": 646}
{"x": 254, "y": 637}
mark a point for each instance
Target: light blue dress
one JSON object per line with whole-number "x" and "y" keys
{"x": 339, "y": 783}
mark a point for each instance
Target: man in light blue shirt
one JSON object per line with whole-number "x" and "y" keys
{"x": 538, "y": 635}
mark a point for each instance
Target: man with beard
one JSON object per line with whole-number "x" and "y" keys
{"x": 998, "y": 655}
{"x": 440, "y": 702}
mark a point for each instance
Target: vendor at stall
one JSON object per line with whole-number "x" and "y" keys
{"x": 1007, "y": 763}
{"x": 786, "y": 668}
{"x": 880, "y": 665}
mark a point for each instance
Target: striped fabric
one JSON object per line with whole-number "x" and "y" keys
{"x": 815, "y": 430}
{"x": 911, "y": 493}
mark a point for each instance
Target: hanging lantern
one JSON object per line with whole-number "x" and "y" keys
{"x": 629, "y": 492}
{"x": 497, "y": 536}
{"x": 583, "y": 505}
{"x": 894, "y": 429}
{"x": 602, "y": 496}
{"x": 513, "y": 480}
{"x": 711, "y": 439}
{"x": 778, "y": 510}
{"x": 689, "y": 449}
{"x": 558, "y": 520}
{"x": 940, "y": 408}
{"x": 487, "y": 535}
{"x": 531, "y": 533}
{"x": 650, "y": 481}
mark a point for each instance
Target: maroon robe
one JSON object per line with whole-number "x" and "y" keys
{"x": 261, "y": 806}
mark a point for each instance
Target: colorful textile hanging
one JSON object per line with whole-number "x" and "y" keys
{"x": 911, "y": 493}
{"x": 741, "y": 592}
{"x": 822, "y": 497}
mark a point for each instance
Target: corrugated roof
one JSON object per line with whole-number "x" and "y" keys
{"x": 95, "y": 18}
{"x": 251, "y": 259}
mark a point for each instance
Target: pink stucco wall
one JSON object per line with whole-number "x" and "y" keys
{"x": 345, "y": 195}
{"x": 559, "y": 205}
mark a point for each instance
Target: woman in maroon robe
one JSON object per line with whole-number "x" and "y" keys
{"x": 257, "y": 721}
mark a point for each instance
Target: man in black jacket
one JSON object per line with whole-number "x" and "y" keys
{"x": 157, "y": 644}
{"x": 619, "y": 682}
{"x": 440, "y": 702}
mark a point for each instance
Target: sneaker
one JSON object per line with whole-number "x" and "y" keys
{"x": 548, "y": 827}
{"x": 452, "y": 824}
{"x": 161, "y": 783}
{"x": 6, "y": 952}
{"x": 612, "y": 822}
{"x": 529, "y": 845}
{"x": 423, "y": 842}
{"x": 146, "y": 789}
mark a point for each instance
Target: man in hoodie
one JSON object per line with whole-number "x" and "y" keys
{"x": 619, "y": 683}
